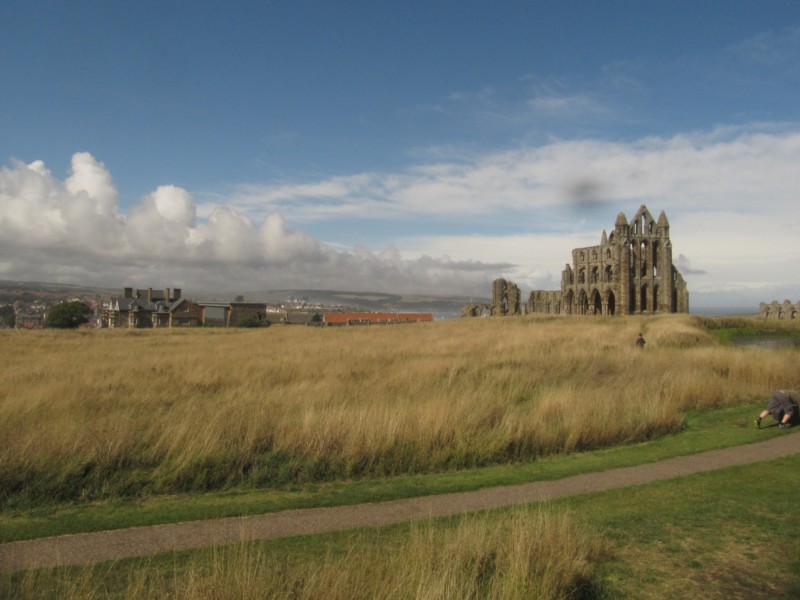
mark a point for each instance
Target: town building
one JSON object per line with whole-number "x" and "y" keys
{"x": 153, "y": 308}
{"x": 374, "y": 318}
{"x": 141, "y": 309}
{"x": 216, "y": 314}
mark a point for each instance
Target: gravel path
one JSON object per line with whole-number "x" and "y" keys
{"x": 85, "y": 548}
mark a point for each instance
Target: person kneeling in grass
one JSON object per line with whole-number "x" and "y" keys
{"x": 783, "y": 406}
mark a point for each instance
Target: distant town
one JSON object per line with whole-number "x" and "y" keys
{"x": 157, "y": 308}
{"x": 25, "y": 305}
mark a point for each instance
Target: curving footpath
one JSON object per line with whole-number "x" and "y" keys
{"x": 85, "y": 548}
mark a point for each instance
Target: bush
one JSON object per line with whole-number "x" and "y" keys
{"x": 7, "y": 316}
{"x": 68, "y": 315}
{"x": 252, "y": 322}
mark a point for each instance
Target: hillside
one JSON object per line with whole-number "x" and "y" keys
{"x": 31, "y": 291}
{"x": 441, "y": 306}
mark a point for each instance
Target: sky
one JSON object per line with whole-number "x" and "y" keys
{"x": 409, "y": 147}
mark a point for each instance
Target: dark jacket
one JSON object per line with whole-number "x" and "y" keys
{"x": 783, "y": 402}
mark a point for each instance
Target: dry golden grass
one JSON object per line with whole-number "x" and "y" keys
{"x": 528, "y": 553}
{"x": 100, "y": 413}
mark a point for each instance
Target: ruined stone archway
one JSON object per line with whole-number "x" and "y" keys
{"x": 597, "y": 303}
{"x": 643, "y": 299}
{"x": 583, "y": 303}
{"x": 635, "y": 260}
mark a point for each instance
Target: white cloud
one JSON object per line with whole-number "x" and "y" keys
{"x": 553, "y": 104}
{"x": 725, "y": 168}
{"x": 283, "y": 245}
{"x": 730, "y": 194}
{"x": 174, "y": 204}
{"x": 72, "y": 231}
{"x": 90, "y": 177}
{"x": 533, "y": 261}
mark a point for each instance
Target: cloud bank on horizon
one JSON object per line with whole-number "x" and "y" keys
{"x": 730, "y": 195}
{"x": 407, "y": 148}
{"x": 73, "y": 231}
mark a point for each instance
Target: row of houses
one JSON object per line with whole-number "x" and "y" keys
{"x": 155, "y": 308}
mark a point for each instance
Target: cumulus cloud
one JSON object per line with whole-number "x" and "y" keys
{"x": 449, "y": 226}
{"x": 90, "y": 179}
{"x": 73, "y": 231}
{"x": 174, "y": 204}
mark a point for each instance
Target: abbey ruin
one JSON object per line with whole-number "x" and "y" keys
{"x": 776, "y": 310}
{"x": 629, "y": 272}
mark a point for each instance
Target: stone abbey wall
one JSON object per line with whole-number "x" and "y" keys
{"x": 776, "y": 310}
{"x": 506, "y": 300}
{"x": 629, "y": 272}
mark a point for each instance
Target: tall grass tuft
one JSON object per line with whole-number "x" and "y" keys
{"x": 88, "y": 415}
{"x": 526, "y": 553}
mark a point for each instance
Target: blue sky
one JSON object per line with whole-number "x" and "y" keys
{"x": 417, "y": 146}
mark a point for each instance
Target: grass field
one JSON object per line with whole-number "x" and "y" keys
{"x": 104, "y": 414}
{"x": 99, "y": 423}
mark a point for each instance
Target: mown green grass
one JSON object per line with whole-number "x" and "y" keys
{"x": 703, "y": 431}
{"x": 731, "y": 533}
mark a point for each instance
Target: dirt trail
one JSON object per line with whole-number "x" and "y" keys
{"x": 85, "y": 548}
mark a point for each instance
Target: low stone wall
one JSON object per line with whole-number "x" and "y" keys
{"x": 776, "y": 310}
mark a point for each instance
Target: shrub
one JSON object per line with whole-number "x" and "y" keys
{"x": 252, "y": 322}
{"x": 68, "y": 315}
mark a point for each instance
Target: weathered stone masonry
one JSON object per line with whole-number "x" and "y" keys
{"x": 506, "y": 300}
{"x": 776, "y": 310}
{"x": 629, "y": 272}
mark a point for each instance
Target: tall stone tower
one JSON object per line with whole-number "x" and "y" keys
{"x": 630, "y": 272}
{"x": 506, "y": 298}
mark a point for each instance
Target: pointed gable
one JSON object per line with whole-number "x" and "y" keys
{"x": 643, "y": 222}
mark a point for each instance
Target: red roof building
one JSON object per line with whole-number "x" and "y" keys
{"x": 370, "y": 318}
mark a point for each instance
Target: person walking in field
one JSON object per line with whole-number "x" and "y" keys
{"x": 783, "y": 406}
{"x": 640, "y": 342}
